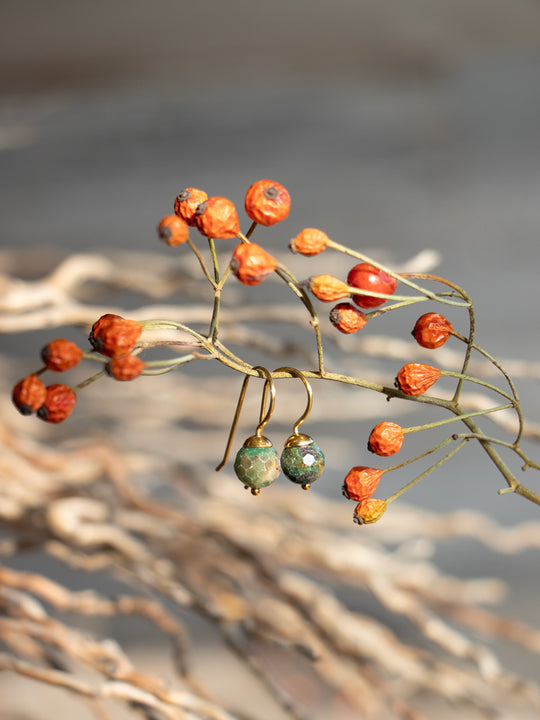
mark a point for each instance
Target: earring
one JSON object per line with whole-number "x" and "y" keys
{"x": 302, "y": 460}
{"x": 257, "y": 461}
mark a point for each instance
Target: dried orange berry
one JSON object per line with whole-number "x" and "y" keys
{"x": 346, "y": 318}
{"x": 361, "y": 482}
{"x": 267, "y": 202}
{"x": 125, "y": 367}
{"x": 217, "y": 218}
{"x": 416, "y": 378}
{"x": 369, "y": 510}
{"x": 328, "y": 288}
{"x": 432, "y": 330}
{"x": 187, "y": 202}
{"x": 172, "y": 230}
{"x": 29, "y": 394}
{"x": 251, "y": 263}
{"x": 114, "y": 335}
{"x": 59, "y": 403}
{"x": 60, "y": 355}
{"x": 309, "y": 241}
{"x": 385, "y": 439}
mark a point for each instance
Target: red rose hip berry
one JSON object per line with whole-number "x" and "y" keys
{"x": 60, "y": 355}
{"x": 367, "y": 277}
{"x": 29, "y": 394}
{"x": 346, "y": 318}
{"x": 187, "y": 202}
{"x": 59, "y": 403}
{"x": 217, "y": 218}
{"x": 385, "y": 439}
{"x": 172, "y": 230}
{"x": 432, "y": 330}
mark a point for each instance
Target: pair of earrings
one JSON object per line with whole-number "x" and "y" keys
{"x": 257, "y": 464}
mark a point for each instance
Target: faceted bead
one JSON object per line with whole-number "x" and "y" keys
{"x": 303, "y": 464}
{"x": 257, "y": 467}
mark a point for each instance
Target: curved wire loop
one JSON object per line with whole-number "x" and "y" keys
{"x": 299, "y": 374}
{"x": 263, "y": 417}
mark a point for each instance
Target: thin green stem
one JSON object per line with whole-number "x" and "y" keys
{"x": 459, "y": 416}
{"x": 477, "y": 381}
{"x": 422, "y": 475}
{"x": 201, "y": 261}
{"x": 89, "y": 380}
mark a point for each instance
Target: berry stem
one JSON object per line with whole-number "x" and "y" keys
{"x": 430, "y": 469}
{"x": 459, "y": 416}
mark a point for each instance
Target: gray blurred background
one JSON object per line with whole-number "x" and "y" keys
{"x": 396, "y": 126}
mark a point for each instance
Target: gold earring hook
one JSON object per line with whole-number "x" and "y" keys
{"x": 301, "y": 376}
{"x": 263, "y": 418}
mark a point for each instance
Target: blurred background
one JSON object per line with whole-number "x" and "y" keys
{"x": 395, "y": 126}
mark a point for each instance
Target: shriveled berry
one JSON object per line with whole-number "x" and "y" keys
{"x": 59, "y": 403}
{"x": 217, "y": 218}
{"x": 386, "y": 439}
{"x": 368, "y": 277}
{"x": 125, "y": 367}
{"x": 114, "y": 335}
{"x": 432, "y": 330}
{"x": 309, "y": 241}
{"x": 29, "y": 394}
{"x": 328, "y": 288}
{"x": 369, "y": 510}
{"x": 267, "y": 202}
{"x": 187, "y": 202}
{"x": 361, "y": 482}
{"x": 251, "y": 263}
{"x": 416, "y": 378}
{"x": 172, "y": 230}
{"x": 60, "y": 355}
{"x": 346, "y": 318}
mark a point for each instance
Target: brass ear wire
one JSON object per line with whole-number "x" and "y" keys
{"x": 256, "y": 463}
{"x": 302, "y": 460}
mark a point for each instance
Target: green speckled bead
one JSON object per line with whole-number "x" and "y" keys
{"x": 303, "y": 464}
{"x": 257, "y": 467}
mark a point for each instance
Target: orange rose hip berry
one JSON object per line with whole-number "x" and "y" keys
{"x": 432, "y": 330}
{"x": 187, "y": 202}
{"x": 217, "y": 218}
{"x": 251, "y": 263}
{"x": 267, "y": 202}
{"x": 29, "y": 394}
{"x": 172, "y": 230}
{"x": 328, "y": 288}
{"x": 60, "y": 355}
{"x": 125, "y": 367}
{"x": 369, "y": 511}
{"x": 309, "y": 241}
{"x": 361, "y": 482}
{"x": 114, "y": 335}
{"x": 385, "y": 439}
{"x": 59, "y": 403}
{"x": 346, "y": 318}
{"x": 416, "y": 378}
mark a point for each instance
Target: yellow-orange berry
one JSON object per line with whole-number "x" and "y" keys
{"x": 386, "y": 439}
{"x": 251, "y": 263}
{"x": 217, "y": 218}
{"x": 59, "y": 403}
{"x": 416, "y": 378}
{"x": 432, "y": 330}
{"x": 187, "y": 202}
{"x": 347, "y": 318}
{"x": 369, "y": 510}
{"x": 172, "y": 230}
{"x": 60, "y": 355}
{"x": 328, "y": 288}
{"x": 309, "y": 241}
{"x": 29, "y": 394}
{"x": 361, "y": 482}
{"x": 125, "y": 367}
{"x": 267, "y": 202}
{"x": 114, "y": 335}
